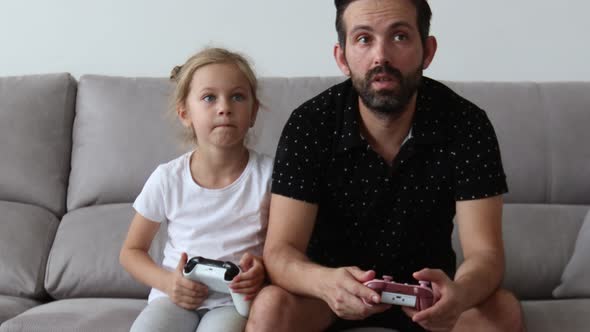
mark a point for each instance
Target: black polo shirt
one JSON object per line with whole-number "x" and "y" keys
{"x": 393, "y": 219}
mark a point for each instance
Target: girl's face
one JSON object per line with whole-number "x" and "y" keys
{"x": 220, "y": 106}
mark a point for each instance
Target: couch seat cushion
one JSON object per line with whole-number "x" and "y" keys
{"x": 86, "y": 315}
{"x": 11, "y": 306}
{"x": 26, "y": 236}
{"x": 557, "y": 315}
{"x": 84, "y": 260}
{"x": 574, "y": 281}
{"x": 538, "y": 242}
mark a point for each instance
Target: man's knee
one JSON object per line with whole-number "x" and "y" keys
{"x": 500, "y": 312}
{"x": 270, "y": 309}
{"x": 508, "y": 305}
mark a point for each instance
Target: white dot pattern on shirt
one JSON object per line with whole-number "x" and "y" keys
{"x": 369, "y": 206}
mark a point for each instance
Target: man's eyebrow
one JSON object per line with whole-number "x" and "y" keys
{"x": 400, "y": 25}
{"x": 393, "y": 26}
{"x": 361, "y": 27}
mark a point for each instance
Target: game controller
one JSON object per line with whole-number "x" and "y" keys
{"x": 216, "y": 275}
{"x": 419, "y": 297}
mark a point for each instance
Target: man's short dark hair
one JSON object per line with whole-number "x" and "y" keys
{"x": 423, "y": 12}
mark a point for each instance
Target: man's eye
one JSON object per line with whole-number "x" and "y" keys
{"x": 209, "y": 98}
{"x": 400, "y": 37}
{"x": 363, "y": 39}
{"x": 238, "y": 97}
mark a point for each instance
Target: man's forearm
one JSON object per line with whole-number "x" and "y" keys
{"x": 479, "y": 276}
{"x": 290, "y": 269}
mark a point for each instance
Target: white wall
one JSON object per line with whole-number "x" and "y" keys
{"x": 537, "y": 40}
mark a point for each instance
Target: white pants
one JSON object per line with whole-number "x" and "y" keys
{"x": 162, "y": 315}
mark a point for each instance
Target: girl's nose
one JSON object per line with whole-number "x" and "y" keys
{"x": 223, "y": 107}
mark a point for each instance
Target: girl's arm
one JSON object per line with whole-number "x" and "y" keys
{"x": 135, "y": 259}
{"x": 134, "y": 254}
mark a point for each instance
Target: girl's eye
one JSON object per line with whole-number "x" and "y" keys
{"x": 209, "y": 98}
{"x": 238, "y": 97}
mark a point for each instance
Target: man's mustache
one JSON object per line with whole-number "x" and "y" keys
{"x": 384, "y": 69}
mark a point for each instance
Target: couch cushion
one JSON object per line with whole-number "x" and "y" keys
{"x": 75, "y": 315}
{"x": 120, "y": 135}
{"x": 36, "y": 114}
{"x": 575, "y": 278}
{"x": 11, "y": 306}
{"x": 278, "y": 98}
{"x": 568, "y": 117}
{"x": 26, "y": 236}
{"x": 541, "y": 128}
{"x": 113, "y": 168}
{"x": 510, "y": 107}
{"x": 84, "y": 260}
{"x": 557, "y": 315}
{"x": 538, "y": 242}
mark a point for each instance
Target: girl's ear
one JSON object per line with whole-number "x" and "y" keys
{"x": 183, "y": 115}
{"x": 255, "y": 108}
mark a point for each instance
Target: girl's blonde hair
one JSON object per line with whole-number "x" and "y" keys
{"x": 183, "y": 76}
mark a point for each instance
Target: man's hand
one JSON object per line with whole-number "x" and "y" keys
{"x": 251, "y": 279}
{"x": 449, "y": 304}
{"x": 187, "y": 294}
{"x": 343, "y": 291}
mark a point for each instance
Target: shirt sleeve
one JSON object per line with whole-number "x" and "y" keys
{"x": 478, "y": 166}
{"x": 150, "y": 202}
{"x": 297, "y": 164}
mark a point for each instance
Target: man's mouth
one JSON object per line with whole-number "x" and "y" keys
{"x": 384, "y": 81}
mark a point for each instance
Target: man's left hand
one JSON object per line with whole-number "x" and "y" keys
{"x": 449, "y": 303}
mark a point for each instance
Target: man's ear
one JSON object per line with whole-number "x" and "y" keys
{"x": 430, "y": 46}
{"x": 340, "y": 58}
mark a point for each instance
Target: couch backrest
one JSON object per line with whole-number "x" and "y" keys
{"x": 541, "y": 128}
{"x": 36, "y": 114}
{"x": 121, "y": 134}
{"x": 543, "y": 134}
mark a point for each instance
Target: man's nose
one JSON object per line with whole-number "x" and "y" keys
{"x": 380, "y": 53}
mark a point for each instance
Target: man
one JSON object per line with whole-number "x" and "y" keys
{"x": 368, "y": 177}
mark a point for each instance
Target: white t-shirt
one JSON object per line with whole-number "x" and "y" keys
{"x": 220, "y": 224}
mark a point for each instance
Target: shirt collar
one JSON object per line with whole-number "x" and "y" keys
{"x": 427, "y": 124}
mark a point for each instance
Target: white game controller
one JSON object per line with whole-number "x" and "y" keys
{"x": 217, "y": 275}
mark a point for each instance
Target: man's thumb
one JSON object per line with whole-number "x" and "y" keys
{"x": 181, "y": 262}
{"x": 360, "y": 275}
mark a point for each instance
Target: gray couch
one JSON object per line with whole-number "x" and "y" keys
{"x": 74, "y": 154}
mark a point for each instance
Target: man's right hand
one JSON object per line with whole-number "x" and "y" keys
{"x": 186, "y": 293}
{"x": 343, "y": 290}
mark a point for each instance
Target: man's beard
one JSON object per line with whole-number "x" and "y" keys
{"x": 387, "y": 102}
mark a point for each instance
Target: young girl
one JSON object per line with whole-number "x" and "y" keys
{"x": 214, "y": 198}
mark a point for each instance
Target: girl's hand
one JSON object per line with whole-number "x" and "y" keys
{"x": 185, "y": 293}
{"x": 252, "y": 277}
